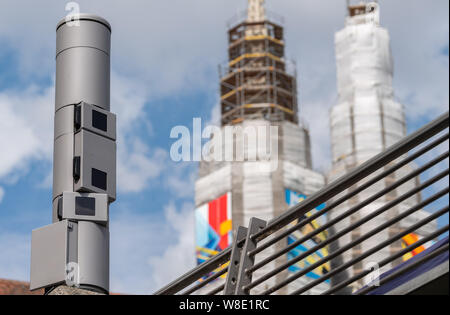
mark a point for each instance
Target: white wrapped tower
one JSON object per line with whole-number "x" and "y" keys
{"x": 367, "y": 120}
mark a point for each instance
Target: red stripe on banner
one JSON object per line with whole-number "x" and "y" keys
{"x": 223, "y": 218}
{"x": 213, "y": 216}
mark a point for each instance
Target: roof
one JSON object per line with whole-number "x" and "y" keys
{"x": 12, "y": 287}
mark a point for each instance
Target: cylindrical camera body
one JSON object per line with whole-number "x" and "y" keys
{"x": 83, "y": 62}
{"x": 83, "y": 50}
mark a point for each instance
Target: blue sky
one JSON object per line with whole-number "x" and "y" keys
{"x": 164, "y": 73}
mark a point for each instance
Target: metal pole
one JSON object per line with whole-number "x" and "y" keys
{"x": 74, "y": 250}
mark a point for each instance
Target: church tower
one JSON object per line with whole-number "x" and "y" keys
{"x": 366, "y": 121}
{"x": 258, "y": 101}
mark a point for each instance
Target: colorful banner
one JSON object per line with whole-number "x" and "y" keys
{"x": 213, "y": 227}
{"x": 410, "y": 239}
{"x": 293, "y": 198}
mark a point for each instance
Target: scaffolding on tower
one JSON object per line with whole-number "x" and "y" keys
{"x": 257, "y": 82}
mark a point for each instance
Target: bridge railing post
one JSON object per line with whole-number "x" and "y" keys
{"x": 247, "y": 261}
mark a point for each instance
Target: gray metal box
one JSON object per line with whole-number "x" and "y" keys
{"x": 66, "y": 245}
{"x": 95, "y": 119}
{"x": 83, "y": 207}
{"x": 95, "y": 164}
{"x": 49, "y": 254}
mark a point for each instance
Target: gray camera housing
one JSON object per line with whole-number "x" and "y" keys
{"x": 95, "y": 119}
{"x": 83, "y": 207}
{"x": 94, "y": 164}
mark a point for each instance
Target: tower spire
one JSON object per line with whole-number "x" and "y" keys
{"x": 256, "y": 11}
{"x": 363, "y": 12}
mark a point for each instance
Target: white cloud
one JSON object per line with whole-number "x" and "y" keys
{"x": 26, "y": 128}
{"x": 183, "y": 47}
{"x": 128, "y": 98}
{"x": 47, "y": 182}
{"x": 215, "y": 114}
{"x": 421, "y": 75}
{"x": 181, "y": 179}
{"x": 29, "y": 31}
{"x": 148, "y": 251}
{"x": 177, "y": 258}
{"x": 137, "y": 165}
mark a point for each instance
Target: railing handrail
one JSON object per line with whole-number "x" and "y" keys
{"x": 332, "y": 190}
{"x": 196, "y": 273}
{"x": 328, "y": 192}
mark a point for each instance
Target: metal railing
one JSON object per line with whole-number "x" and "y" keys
{"x": 257, "y": 262}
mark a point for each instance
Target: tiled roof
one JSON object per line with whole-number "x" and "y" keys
{"x": 11, "y": 287}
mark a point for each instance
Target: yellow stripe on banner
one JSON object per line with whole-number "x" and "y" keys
{"x": 222, "y": 267}
{"x": 409, "y": 240}
{"x": 224, "y": 276}
{"x": 315, "y": 224}
{"x": 313, "y": 258}
{"x": 324, "y": 251}
{"x": 203, "y": 257}
{"x": 225, "y": 227}
{"x": 206, "y": 250}
{"x": 407, "y": 256}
